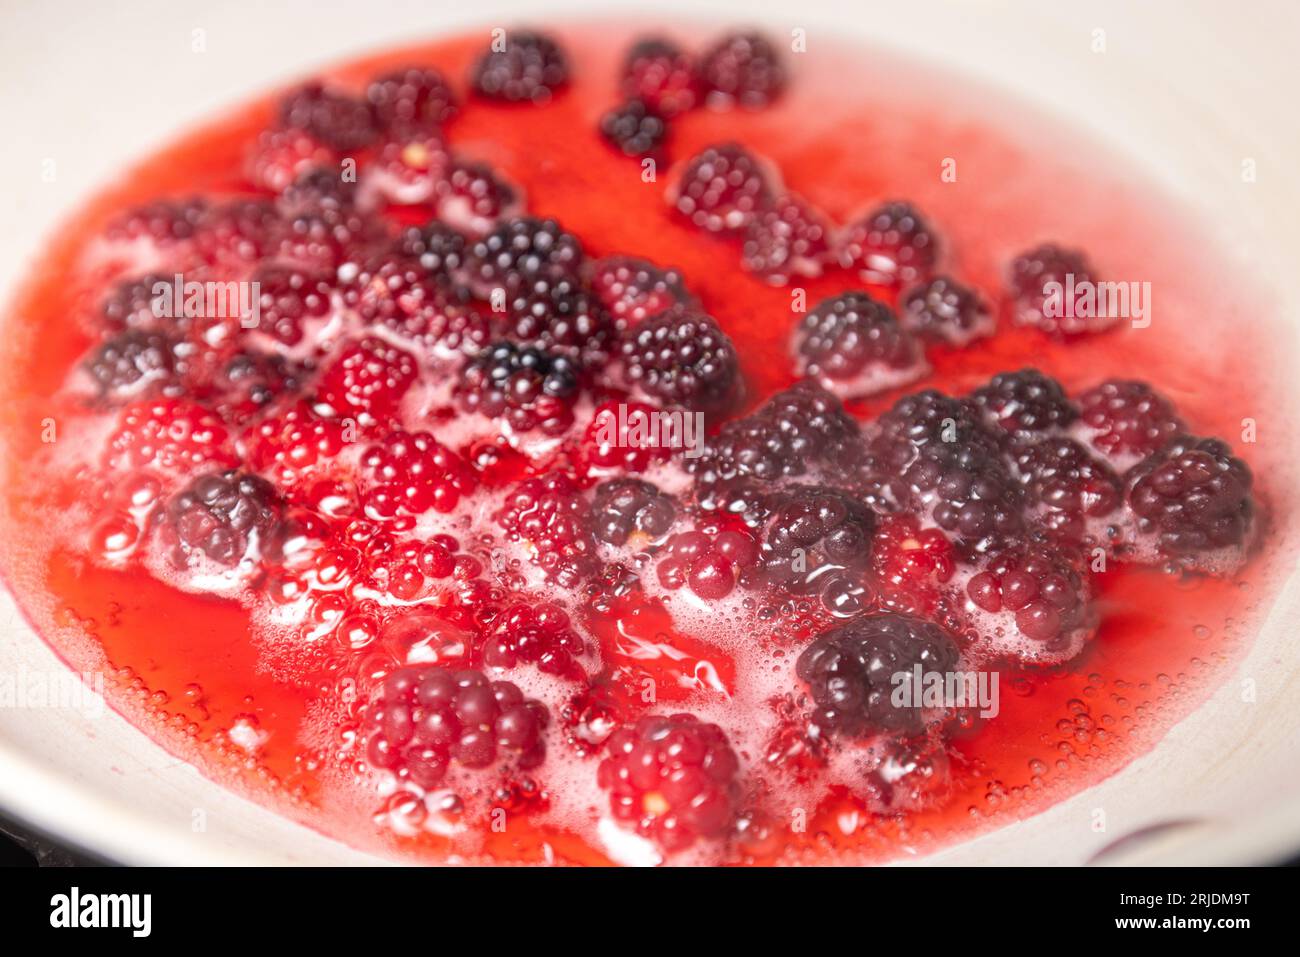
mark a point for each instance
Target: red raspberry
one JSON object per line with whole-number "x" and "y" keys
{"x": 711, "y": 562}
{"x": 910, "y": 563}
{"x": 291, "y": 296}
{"x": 672, "y": 778}
{"x": 367, "y": 378}
{"x": 744, "y": 69}
{"x": 411, "y": 166}
{"x": 621, "y": 435}
{"x": 551, "y": 516}
{"x": 292, "y": 443}
{"x": 890, "y": 246}
{"x": 633, "y": 290}
{"x": 539, "y": 635}
{"x": 789, "y": 239}
{"x": 663, "y": 77}
{"x": 413, "y": 473}
{"x": 722, "y": 189}
{"x": 171, "y": 434}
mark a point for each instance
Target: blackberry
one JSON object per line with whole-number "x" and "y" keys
{"x": 633, "y": 290}
{"x": 662, "y": 76}
{"x": 562, "y": 316}
{"x": 131, "y": 304}
{"x": 437, "y": 247}
{"x": 319, "y": 191}
{"x": 529, "y": 388}
{"x": 163, "y": 222}
{"x": 288, "y": 297}
{"x": 473, "y": 197}
{"x": 222, "y": 515}
{"x": 721, "y": 189}
{"x": 133, "y": 362}
{"x": 1193, "y": 495}
{"x": 789, "y": 238}
{"x": 530, "y": 69}
{"x": 1045, "y": 593}
{"x": 683, "y": 358}
{"x": 744, "y": 69}
{"x": 850, "y": 672}
{"x": 423, "y": 719}
{"x": 401, "y": 295}
{"x": 854, "y": 346}
{"x": 816, "y": 535}
{"x": 1128, "y": 418}
{"x": 634, "y": 129}
{"x": 890, "y": 246}
{"x": 413, "y": 96}
{"x": 1025, "y": 403}
{"x": 621, "y": 508}
{"x": 1067, "y": 484}
{"x": 335, "y": 119}
{"x": 523, "y": 250}
{"x": 1032, "y": 271}
{"x": 251, "y": 381}
{"x": 550, "y": 515}
{"x": 944, "y": 310}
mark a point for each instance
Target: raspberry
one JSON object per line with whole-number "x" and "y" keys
{"x": 683, "y": 358}
{"x": 790, "y": 238}
{"x": 538, "y": 635}
{"x": 1127, "y": 418}
{"x": 410, "y": 166}
{"x": 623, "y": 435}
{"x": 400, "y": 295}
{"x": 367, "y": 378}
{"x": 132, "y": 363}
{"x": 413, "y": 473}
{"x": 523, "y": 250}
{"x": 292, "y": 442}
{"x": 634, "y": 129}
{"x": 721, "y": 189}
{"x": 854, "y": 347}
{"x": 633, "y": 290}
{"x": 438, "y": 248}
{"x": 712, "y": 563}
{"x": 1025, "y": 403}
{"x": 816, "y": 537}
{"x": 425, "y": 718}
{"x": 850, "y": 672}
{"x": 623, "y": 508}
{"x": 222, "y": 515}
{"x": 411, "y": 96}
{"x": 170, "y": 434}
{"x": 890, "y": 246}
{"x": 1044, "y": 592}
{"x": 944, "y": 310}
{"x": 163, "y": 222}
{"x": 561, "y": 316}
{"x": 549, "y": 513}
{"x": 659, "y": 74}
{"x": 671, "y": 778}
{"x": 1032, "y": 271}
{"x": 289, "y": 297}
{"x": 1068, "y": 484}
{"x": 910, "y": 563}
{"x": 1193, "y": 495}
{"x": 527, "y": 387}
{"x": 474, "y": 197}
{"x": 531, "y": 68}
{"x": 280, "y": 156}
{"x": 744, "y": 69}
{"x": 339, "y": 121}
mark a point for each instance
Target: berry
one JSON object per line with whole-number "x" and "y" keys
{"x": 722, "y": 189}
{"x": 816, "y": 536}
{"x": 944, "y": 310}
{"x": 132, "y": 304}
{"x": 790, "y": 238}
{"x": 538, "y": 635}
{"x": 326, "y": 238}
{"x": 438, "y": 248}
{"x": 368, "y": 378}
{"x": 235, "y": 235}
{"x": 425, "y": 718}
{"x": 1025, "y": 403}
{"x": 530, "y": 69}
{"x": 712, "y": 563}
{"x": 413, "y": 473}
{"x": 289, "y": 297}
{"x": 319, "y": 191}
{"x": 1127, "y": 418}
{"x": 1193, "y": 495}
{"x": 890, "y": 246}
{"x": 683, "y": 358}
{"x": 523, "y": 250}
{"x": 632, "y": 290}
{"x": 910, "y": 563}
{"x": 163, "y": 222}
{"x": 742, "y": 68}
{"x": 339, "y": 121}
{"x": 626, "y": 435}
{"x": 529, "y": 388}
{"x": 280, "y": 156}
{"x": 561, "y": 316}
{"x": 473, "y": 197}
{"x": 1031, "y": 274}
{"x": 1046, "y": 595}
{"x": 251, "y": 381}
{"x": 222, "y": 515}
{"x": 549, "y": 513}
{"x": 413, "y": 96}
{"x": 634, "y": 129}
{"x": 659, "y": 74}
{"x": 399, "y": 294}
{"x": 410, "y": 166}
{"x": 292, "y": 442}
{"x": 623, "y": 508}
{"x": 1068, "y": 484}
{"x": 170, "y": 434}
{"x": 132, "y": 363}
{"x": 854, "y": 346}
{"x": 850, "y": 672}
{"x": 671, "y": 778}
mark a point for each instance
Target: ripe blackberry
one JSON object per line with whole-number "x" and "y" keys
{"x": 132, "y": 363}
{"x": 473, "y": 197}
{"x": 1032, "y": 271}
{"x": 853, "y": 346}
{"x": 560, "y": 315}
{"x": 530, "y": 69}
{"x": 890, "y": 246}
{"x": 521, "y": 251}
{"x": 634, "y": 129}
{"x": 289, "y": 297}
{"x": 1067, "y": 484}
{"x": 319, "y": 190}
{"x": 721, "y": 189}
{"x": 789, "y": 238}
{"x": 413, "y": 473}
{"x": 944, "y": 310}
{"x": 163, "y": 222}
{"x": 550, "y": 515}
{"x": 1048, "y": 597}
{"x": 130, "y": 304}
{"x": 413, "y": 96}
{"x": 368, "y": 378}
{"x": 672, "y": 778}
{"x": 1025, "y": 403}
{"x": 850, "y": 672}
{"x": 661, "y": 75}
{"x": 539, "y": 635}
{"x": 235, "y": 235}
{"x": 633, "y": 290}
{"x": 1125, "y": 418}
{"x": 711, "y": 562}
{"x": 683, "y": 358}
{"x": 425, "y": 718}
{"x": 399, "y": 294}
{"x": 251, "y": 381}
{"x": 1193, "y": 495}
{"x": 339, "y": 121}
{"x": 622, "y": 508}
{"x": 817, "y": 536}
{"x": 529, "y": 388}
{"x": 222, "y": 515}
{"x": 438, "y": 248}
{"x": 744, "y": 69}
